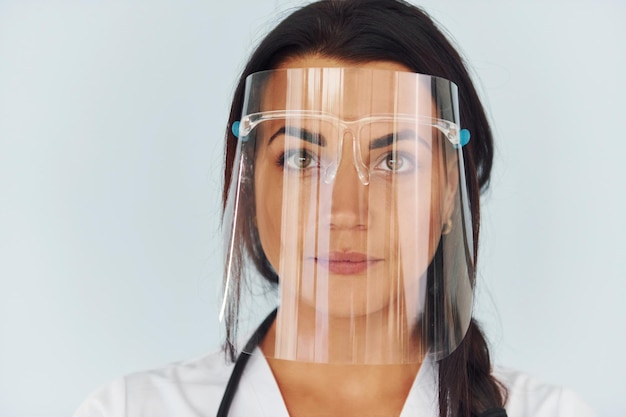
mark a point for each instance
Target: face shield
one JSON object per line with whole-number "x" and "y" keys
{"x": 347, "y": 212}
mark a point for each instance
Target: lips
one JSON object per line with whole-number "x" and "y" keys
{"x": 346, "y": 263}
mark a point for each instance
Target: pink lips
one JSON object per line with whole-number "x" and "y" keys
{"x": 346, "y": 263}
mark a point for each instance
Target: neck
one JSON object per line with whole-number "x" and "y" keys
{"x": 343, "y": 390}
{"x": 308, "y": 335}
{"x": 313, "y": 383}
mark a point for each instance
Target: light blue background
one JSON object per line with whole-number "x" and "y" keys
{"x": 111, "y": 126}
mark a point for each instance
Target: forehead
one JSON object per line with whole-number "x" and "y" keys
{"x": 346, "y": 90}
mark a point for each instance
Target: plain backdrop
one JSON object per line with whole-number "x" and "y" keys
{"x": 112, "y": 116}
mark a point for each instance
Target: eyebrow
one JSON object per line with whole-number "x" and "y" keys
{"x": 299, "y": 132}
{"x": 391, "y": 138}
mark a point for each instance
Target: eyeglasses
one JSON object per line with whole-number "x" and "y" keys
{"x": 382, "y": 145}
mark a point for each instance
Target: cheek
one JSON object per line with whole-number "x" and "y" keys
{"x": 435, "y": 223}
{"x": 268, "y": 202}
{"x": 285, "y": 210}
{"x": 418, "y": 227}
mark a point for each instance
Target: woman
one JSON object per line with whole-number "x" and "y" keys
{"x": 352, "y": 197}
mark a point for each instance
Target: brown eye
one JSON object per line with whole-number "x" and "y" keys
{"x": 303, "y": 160}
{"x": 299, "y": 159}
{"x": 393, "y": 163}
{"x": 396, "y": 162}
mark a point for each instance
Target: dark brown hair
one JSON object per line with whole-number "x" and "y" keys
{"x": 384, "y": 30}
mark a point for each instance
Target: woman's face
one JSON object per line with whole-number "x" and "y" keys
{"x": 349, "y": 220}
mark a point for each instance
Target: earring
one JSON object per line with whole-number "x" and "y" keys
{"x": 447, "y": 227}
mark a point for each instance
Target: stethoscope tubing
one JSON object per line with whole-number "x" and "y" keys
{"x": 240, "y": 364}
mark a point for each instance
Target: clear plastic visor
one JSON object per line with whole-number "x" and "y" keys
{"x": 347, "y": 213}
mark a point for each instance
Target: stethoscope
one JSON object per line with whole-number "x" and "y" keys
{"x": 244, "y": 356}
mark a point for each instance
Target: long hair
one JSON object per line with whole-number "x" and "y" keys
{"x": 359, "y": 31}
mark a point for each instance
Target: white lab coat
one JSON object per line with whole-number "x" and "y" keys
{"x": 195, "y": 388}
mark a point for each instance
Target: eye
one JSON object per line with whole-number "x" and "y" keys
{"x": 299, "y": 159}
{"x": 395, "y": 162}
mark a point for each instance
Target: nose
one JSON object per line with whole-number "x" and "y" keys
{"x": 349, "y": 196}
